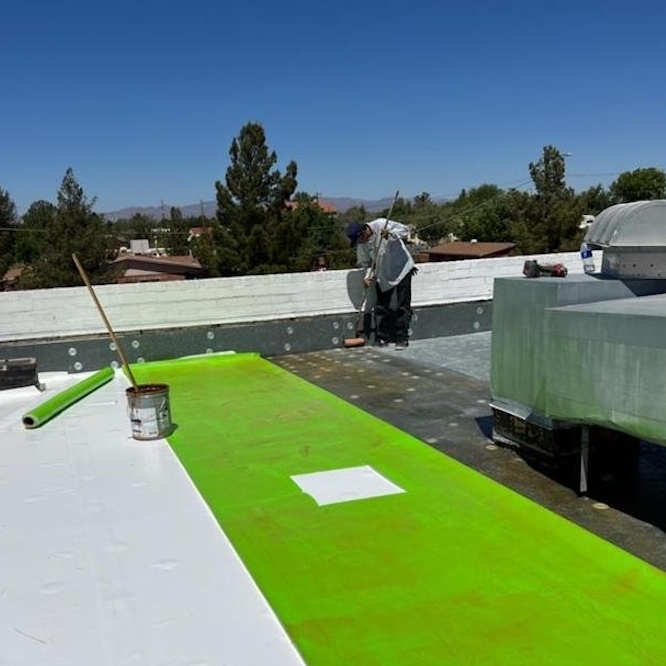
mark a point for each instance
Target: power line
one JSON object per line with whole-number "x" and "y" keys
{"x": 21, "y": 229}
{"x": 483, "y": 204}
{"x": 591, "y": 175}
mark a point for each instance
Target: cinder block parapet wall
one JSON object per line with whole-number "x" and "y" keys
{"x": 67, "y": 312}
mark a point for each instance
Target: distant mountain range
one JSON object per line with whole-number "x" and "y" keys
{"x": 209, "y": 208}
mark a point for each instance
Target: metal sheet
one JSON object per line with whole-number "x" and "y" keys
{"x": 605, "y": 364}
{"x": 639, "y": 263}
{"x": 519, "y": 362}
{"x": 631, "y": 225}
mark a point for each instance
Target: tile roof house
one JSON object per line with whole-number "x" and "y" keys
{"x": 144, "y": 268}
{"x": 458, "y": 250}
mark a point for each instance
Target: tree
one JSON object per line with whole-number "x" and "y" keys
{"x": 639, "y": 185}
{"x": 483, "y": 214}
{"x": 431, "y": 221}
{"x": 203, "y": 247}
{"x": 314, "y": 232}
{"x": 520, "y": 210}
{"x": 548, "y": 174}
{"x": 402, "y": 209}
{"x": 175, "y": 240}
{"x": 8, "y": 225}
{"x": 422, "y": 200}
{"x": 137, "y": 227}
{"x": 552, "y": 221}
{"x": 353, "y": 214}
{"x": 31, "y": 241}
{"x": 594, "y": 200}
{"x": 251, "y": 206}
{"x": 73, "y": 228}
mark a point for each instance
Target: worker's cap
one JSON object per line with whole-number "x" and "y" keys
{"x": 353, "y": 231}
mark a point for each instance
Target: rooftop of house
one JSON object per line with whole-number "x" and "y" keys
{"x": 172, "y": 261}
{"x": 325, "y": 206}
{"x": 224, "y": 545}
{"x": 147, "y": 268}
{"x": 469, "y": 250}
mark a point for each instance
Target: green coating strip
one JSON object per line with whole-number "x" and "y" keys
{"x": 53, "y": 406}
{"x": 456, "y": 570}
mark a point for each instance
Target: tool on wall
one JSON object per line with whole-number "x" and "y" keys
{"x": 532, "y": 269}
{"x": 360, "y": 329}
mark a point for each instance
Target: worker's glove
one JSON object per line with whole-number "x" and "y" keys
{"x": 385, "y": 233}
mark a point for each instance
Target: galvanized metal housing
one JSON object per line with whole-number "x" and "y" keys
{"x": 633, "y": 238}
{"x": 636, "y": 224}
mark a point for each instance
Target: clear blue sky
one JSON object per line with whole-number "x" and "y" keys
{"x": 143, "y": 98}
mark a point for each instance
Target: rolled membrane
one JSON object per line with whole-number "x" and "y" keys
{"x": 58, "y": 403}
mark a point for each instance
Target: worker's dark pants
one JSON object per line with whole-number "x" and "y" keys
{"x": 394, "y": 324}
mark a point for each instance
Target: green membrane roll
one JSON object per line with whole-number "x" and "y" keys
{"x": 49, "y": 408}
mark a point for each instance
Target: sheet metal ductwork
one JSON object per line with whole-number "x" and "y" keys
{"x": 588, "y": 350}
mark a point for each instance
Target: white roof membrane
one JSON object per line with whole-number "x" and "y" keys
{"x": 108, "y": 554}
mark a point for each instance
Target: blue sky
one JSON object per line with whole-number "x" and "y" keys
{"x": 143, "y": 98}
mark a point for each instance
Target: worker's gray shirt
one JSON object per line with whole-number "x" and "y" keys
{"x": 394, "y": 261}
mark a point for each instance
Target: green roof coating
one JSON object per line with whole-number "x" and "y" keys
{"x": 456, "y": 570}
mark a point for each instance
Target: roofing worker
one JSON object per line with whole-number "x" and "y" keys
{"x": 391, "y": 272}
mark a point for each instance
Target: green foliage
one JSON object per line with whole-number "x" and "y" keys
{"x": 31, "y": 241}
{"x": 317, "y": 227}
{"x": 548, "y": 175}
{"x": 8, "y": 222}
{"x": 519, "y": 212}
{"x": 639, "y": 185}
{"x": 353, "y": 214}
{"x": 175, "y": 238}
{"x": 263, "y": 225}
{"x": 137, "y": 227}
{"x": 69, "y": 227}
{"x": 203, "y": 247}
{"x": 484, "y": 214}
{"x": 552, "y": 202}
{"x": 401, "y": 209}
{"x": 593, "y": 200}
{"x": 257, "y": 233}
{"x": 432, "y": 222}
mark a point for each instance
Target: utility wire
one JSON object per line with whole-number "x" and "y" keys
{"x": 483, "y": 204}
{"x": 21, "y": 229}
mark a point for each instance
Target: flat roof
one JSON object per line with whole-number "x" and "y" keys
{"x": 113, "y": 549}
{"x": 470, "y": 250}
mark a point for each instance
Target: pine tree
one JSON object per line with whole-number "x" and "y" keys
{"x": 251, "y": 206}
{"x": 552, "y": 219}
{"x": 73, "y": 228}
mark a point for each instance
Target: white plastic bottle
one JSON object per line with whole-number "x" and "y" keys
{"x": 586, "y": 256}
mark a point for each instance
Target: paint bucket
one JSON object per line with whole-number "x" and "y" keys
{"x": 149, "y": 411}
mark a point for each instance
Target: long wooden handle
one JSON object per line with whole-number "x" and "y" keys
{"x": 388, "y": 217}
{"x": 119, "y": 349}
